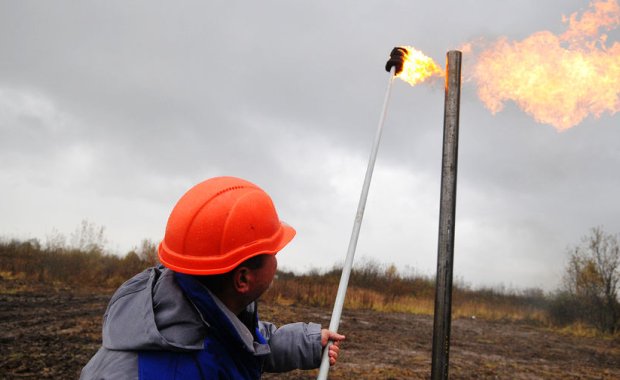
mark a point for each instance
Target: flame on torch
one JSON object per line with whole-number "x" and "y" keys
{"x": 558, "y": 79}
{"x": 418, "y": 67}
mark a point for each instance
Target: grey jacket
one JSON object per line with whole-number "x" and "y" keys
{"x": 150, "y": 312}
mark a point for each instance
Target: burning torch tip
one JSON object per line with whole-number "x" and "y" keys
{"x": 397, "y": 60}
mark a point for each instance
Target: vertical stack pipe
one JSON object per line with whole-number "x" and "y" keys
{"x": 447, "y": 208}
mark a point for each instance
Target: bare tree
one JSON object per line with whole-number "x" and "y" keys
{"x": 55, "y": 241}
{"x": 592, "y": 278}
{"x": 147, "y": 252}
{"x": 89, "y": 237}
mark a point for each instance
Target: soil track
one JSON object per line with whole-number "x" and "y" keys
{"x": 52, "y": 334}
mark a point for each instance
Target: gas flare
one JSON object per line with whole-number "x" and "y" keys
{"x": 558, "y": 79}
{"x": 417, "y": 67}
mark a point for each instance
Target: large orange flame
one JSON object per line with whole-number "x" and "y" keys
{"x": 417, "y": 67}
{"x": 558, "y": 79}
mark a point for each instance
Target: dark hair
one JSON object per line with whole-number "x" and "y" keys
{"x": 217, "y": 281}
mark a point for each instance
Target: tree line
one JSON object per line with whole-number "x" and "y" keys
{"x": 80, "y": 261}
{"x": 588, "y": 295}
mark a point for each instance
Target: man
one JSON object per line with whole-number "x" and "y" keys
{"x": 195, "y": 317}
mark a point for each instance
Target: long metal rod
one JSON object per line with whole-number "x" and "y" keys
{"x": 346, "y": 270}
{"x": 447, "y": 208}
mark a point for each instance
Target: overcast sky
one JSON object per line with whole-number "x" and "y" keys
{"x": 111, "y": 110}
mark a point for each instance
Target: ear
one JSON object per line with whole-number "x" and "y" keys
{"x": 242, "y": 280}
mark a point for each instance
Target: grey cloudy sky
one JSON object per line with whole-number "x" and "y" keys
{"x": 110, "y": 111}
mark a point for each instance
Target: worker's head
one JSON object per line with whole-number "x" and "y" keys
{"x": 220, "y": 224}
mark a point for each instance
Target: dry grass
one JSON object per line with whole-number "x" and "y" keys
{"x": 372, "y": 286}
{"x": 321, "y": 292}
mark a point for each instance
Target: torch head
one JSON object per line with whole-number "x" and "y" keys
{"x": 397, "y": 60}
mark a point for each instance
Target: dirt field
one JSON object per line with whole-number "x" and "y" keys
{"x": 47, "y": 334}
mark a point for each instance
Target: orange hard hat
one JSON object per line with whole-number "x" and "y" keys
{"x": 220, "y": 223}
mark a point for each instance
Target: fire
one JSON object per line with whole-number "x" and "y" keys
{"x": 417, "y": 67}
{"x": 558, "y": 79}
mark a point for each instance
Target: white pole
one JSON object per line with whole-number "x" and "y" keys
{"x": 346, "y": 270}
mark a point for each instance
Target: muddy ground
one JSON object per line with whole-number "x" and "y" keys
{"x": 51, "y": 334}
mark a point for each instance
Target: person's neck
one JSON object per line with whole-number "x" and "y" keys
{"x": 234, "y": 302}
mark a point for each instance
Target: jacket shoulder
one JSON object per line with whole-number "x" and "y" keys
{"x": 111, "y": 365}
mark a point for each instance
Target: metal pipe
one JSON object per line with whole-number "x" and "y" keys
{"x": 348, "y": 264}
{"x": 447, "y": 208}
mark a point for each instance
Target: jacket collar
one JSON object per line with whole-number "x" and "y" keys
{"x": 220, "y": 319}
